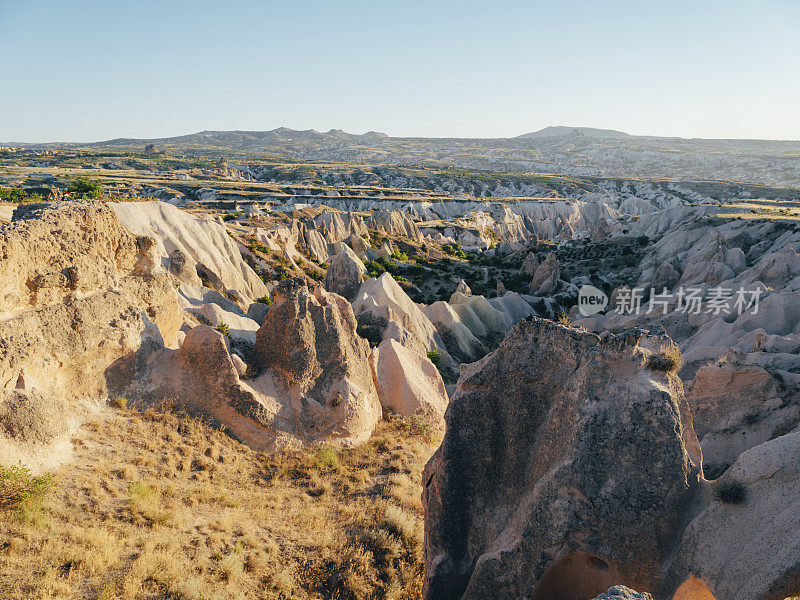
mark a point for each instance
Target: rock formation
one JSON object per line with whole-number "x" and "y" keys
{"x": 620, "y": 592}
{"x": 530, "y": 264}
{"x": 534, "y": 494}
{"x": 345, "y": 274}
{"x": 78, "y": 296}
{"x": 202, "y": 242}
{"x": 409, "y": 384}
{"x": 545, "y": 279}
{"x": 382, "y": 306}
{"x": 307, "y": 352}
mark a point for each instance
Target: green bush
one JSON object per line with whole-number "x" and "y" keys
{"x": 381, "y": 265}
{"x": 435, "y": 357}
{"x": 453, "y": 250}
{"x": 224, "y": 329}
{"x": 18, "y": 196}
{"x": 85, "y": 188}
{"x": 20, "y": 490}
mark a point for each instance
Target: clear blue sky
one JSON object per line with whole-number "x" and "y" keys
{"x": 91, "y": 70}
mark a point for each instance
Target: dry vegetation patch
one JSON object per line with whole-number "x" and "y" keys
{"x": 159, "y": 505}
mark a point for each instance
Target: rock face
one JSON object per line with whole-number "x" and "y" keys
{"x": 345, "y": 274}
{"x": 567, "y": 467}
{"x": 78, "y": 296}
{"x": 201, "y": 241}
{"x": 409, "y": 384}
{"x": 749, "y": 550}
{"x": 382, "y": 306}
{"x": 463, "y": 288}
{"x": 530, "y": 264}
{"x": 202, "y": 378}
{"x": 545, "y": 279}
{"x": 308, "y": 354}
{"x": 735, "y": 407}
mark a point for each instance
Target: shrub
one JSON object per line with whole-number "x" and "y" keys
{"x": 18, "y": 196}
{"x": 256, "y": 246}
{"x": 85, "y": 188}
{"x": 453, "y": 250}
{"x": 265, "y": 300}
{"x": 224, "y": 329}
{"x": 435, "y": 357}
{"x": 668, "y": 360}
{"x": 19, "y": 489}
{"x": 328, "y": 458}
{"x": 730, "y": 491}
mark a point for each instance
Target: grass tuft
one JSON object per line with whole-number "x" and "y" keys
{"x": 730, "y": 491}
{"x": 668, "y": 360}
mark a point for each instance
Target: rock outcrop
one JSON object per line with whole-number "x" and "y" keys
{"x": 383, "y": 307}
{"x": 409, "y": 384}
{"x": 736, "y": 406}
{"x": 620, "y": 592}
{"x": 309, "y": 356}
{"x": 79, "y": 295}
{"x": 345, "y": 274}
{"x": 201, "y": 241}
{"x": 746, "y": 547}
{"x": 568, "y": 466}
{"x": 545, "y": 279}
{"x": 530, "y": 264}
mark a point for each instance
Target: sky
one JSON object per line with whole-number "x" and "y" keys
{"x": 84, "y": 70}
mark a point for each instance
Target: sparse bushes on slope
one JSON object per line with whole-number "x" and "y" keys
{"x": 20, "y": 490}
{"x": 160, "y": 505}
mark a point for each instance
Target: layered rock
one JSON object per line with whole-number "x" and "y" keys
{"x": 200, "y": 241}
{"x": 567, "y": 467}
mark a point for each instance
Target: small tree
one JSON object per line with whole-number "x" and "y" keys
{"x": 85, "y": 188}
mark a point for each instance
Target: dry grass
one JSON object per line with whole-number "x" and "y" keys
{"x": 158, "y": 505}
{"x": 668, "y": 360}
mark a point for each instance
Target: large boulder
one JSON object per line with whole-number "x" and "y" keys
{"x": 345, "y": 273}
{"x": 202, "y": 378}
{"x": 568, "y": 466}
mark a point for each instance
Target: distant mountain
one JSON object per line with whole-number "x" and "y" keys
{"x": 589, "y": 132}
{"x": 245, "y": 139}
